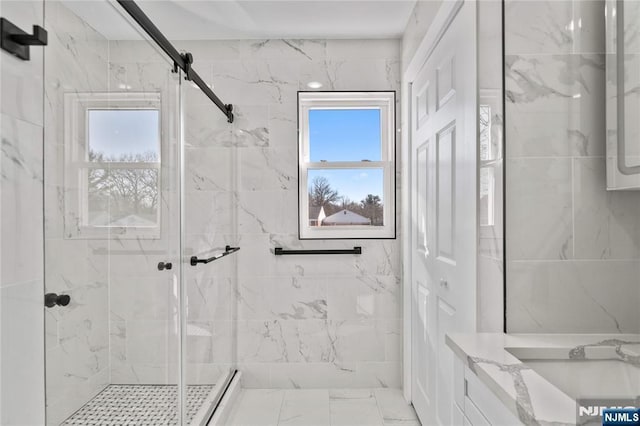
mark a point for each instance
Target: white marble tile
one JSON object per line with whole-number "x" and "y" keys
{"x": 554, "y": 83}
{"x": 364, "y": 49}
{"x": 379, "y": 374}
{"x": 554, "y": 26}
{"x": 565, "y": 93}
{"x": 490, "y": 295}
{"x": 22, "y": 350}
{"x": 307, "y": 50}
{"x": 284, "y": 341}
{"x": 210, "y": 212}
{"x": 267, "y": 212}
{"x": 364, "y": 297}
{"x": 394, "y": 408}
{"x": 417, "y": 26}
{"x": 607, "y": 224}
{"x": 21, "y": 197}
{"x": 308, "y": 407}
{"x": 355, "y": 412}
{"x": 256, "y": 407}
{"x": 252, "y": 82}
{"x": 313, "y": 375}
{"x": 573, "y": 297}
{"x": 283, "y": 127}
{"x": 210, "y": 298}
{"x": 204, "y": 51}
{"x": 539, "y": 198}
{"x": 286, "y": 298}
{"x": 210, "y": 169}
{"x": 343, "y": 74}
{"x": 151, "y": 342}
{"x": 268, "y": 169}
{"x": 343, "y": 394}
{"x": 358, "y": 340}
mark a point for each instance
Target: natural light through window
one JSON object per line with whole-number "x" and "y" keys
{"x": 115, "y": 152}
{"x": 347, "y": 164}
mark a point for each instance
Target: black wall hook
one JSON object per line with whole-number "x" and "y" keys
{"x": 17, "y": 42}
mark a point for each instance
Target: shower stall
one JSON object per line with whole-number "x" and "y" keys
{"x": 139, "y": 325}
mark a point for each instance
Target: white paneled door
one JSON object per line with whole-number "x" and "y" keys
{"x": 443, "y": 182}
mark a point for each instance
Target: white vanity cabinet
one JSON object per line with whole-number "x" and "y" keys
{"x": 474, "y": 403}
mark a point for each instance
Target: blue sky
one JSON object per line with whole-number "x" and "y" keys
{"x": 347, "y": 135}
{"x": 344, "y": 135}
{"x": 117, "y": 132}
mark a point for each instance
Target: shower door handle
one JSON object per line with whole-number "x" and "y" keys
{"x": 162, "y": 266}
{"x": 52, "y": 299}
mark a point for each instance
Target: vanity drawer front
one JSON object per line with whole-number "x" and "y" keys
{"x": 489, "y": 405}
{"x": 473, "y": 414}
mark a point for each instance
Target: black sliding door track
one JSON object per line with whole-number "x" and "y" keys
{"x": 182, "y": 61}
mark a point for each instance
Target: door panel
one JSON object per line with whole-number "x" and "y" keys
{"x": 446, "y": 192}
{"x": 443, "y": 205}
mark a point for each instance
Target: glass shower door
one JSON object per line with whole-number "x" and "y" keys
{"x": 113, "y": 254}
{"x": 210, "y": 228}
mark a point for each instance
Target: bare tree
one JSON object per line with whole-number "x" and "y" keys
{"x": 321, "y": 193}
{"x": 124, "y": 191}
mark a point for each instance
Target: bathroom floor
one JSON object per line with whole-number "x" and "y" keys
{"x": 138, "y": 405}
{"x": 315, "y": 407}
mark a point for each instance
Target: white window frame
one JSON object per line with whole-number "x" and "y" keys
{"x": 385, "y": 101}
{"x": 76, "y": 130}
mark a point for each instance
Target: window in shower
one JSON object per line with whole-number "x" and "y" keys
{"x": 346, "y": 165}
{"x": 113, "y": 174}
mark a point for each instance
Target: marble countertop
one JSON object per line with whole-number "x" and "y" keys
{"x": 529, "y": 396}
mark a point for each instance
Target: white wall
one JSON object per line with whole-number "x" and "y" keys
{"x": 21, "y": 222}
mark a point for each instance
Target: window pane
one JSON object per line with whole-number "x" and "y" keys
{"x": 344, "y": 135}
{"x": 123, "y": 197}
{"x": 124, "y": 135}
{"x": 341, "y": 197}
{"x": 487, "y": 191}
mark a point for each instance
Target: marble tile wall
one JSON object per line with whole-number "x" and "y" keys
{"x": 77, "y": 335}
{"x": 21, "y": 256}
{"x": 573, "y": 249}
{"x": 302, "y": 321}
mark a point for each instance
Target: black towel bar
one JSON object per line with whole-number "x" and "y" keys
{"x": 227, "y": 251}
{"x": 279, "y": 251}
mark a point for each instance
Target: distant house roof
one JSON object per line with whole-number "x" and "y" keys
{"x": 133, "y": 220}
{"x": 314, "y": 211}
{"x": 104, "y": 219}
{"x": 346, "y": 217}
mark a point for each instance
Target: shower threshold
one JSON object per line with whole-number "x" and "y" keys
{"x": 152, "y": 405}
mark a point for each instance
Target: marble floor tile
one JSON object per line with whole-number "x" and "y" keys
{"x": 355, "y": 412}
{"x": 321, "y": 407}
{"x": 256, "y": 407}
{"x": 394, "y": 409}
{"x": 305, "y": 407}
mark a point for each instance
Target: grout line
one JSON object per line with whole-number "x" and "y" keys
{"x": 573, "y": 208}
{"x": 284, "y": 392}
{"x": 375, "y": 397}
